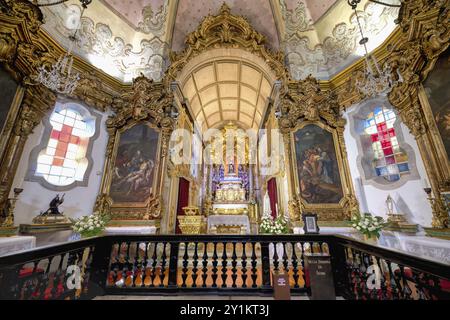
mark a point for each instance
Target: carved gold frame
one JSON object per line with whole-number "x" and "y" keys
{"x": 325, "y": 211}
{"x": 117, "y": 139}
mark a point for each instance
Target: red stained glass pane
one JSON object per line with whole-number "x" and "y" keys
{"x": 74, "y": 140}
{"x": 64, "y": 137}
{"x": 60, "y": 153}
{"x": 55, "y": 135}
{"x": 390, "y": 160}
{"x": 386, "y": 144}
{"x": 58, "y": 162}
{"x": 381, "y": 126}
{"x": 388, "y": 151}
{"x": 374, "y": 137}
{"x": 62, "y": 146}
{"x": 67, "y": 129}
{"x": 391, "y": 132}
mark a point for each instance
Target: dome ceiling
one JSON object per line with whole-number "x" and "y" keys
{"x": 127, "y": 37}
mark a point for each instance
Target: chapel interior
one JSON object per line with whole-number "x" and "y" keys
{"x": 224, "y": 141}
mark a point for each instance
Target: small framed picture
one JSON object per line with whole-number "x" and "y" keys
{"x": 310, "y": 223}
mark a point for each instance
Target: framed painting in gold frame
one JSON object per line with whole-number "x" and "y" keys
{"x": 133, "y": 177}
{"x": 320, "y": 174}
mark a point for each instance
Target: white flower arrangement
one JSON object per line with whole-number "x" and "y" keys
{"x": 90, "y": 226}
{"x": 368, "y": 225}
{"x": 277, "y": 226}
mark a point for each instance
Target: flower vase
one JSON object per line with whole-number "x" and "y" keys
{"x": 371, "y": 240}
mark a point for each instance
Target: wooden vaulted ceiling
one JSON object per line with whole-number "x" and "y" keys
{"x": 228, "y": 90}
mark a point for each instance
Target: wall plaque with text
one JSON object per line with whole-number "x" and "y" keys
{"x": 320, "y": 273}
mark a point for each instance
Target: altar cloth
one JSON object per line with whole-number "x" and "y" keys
{"x": 229, "y": 220}
{"x": 131, "y": 230}
{"x": 13, "y": 244}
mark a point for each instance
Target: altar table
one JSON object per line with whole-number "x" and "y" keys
{"x": 215, "y": 221}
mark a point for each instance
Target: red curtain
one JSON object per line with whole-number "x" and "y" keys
{"x": 273, "y": 196}
{"x": 183, "y": 200}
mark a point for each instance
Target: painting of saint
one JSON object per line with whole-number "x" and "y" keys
{"x": 317, "y": 167}
{"x": 134, "y": 167}
{"x": 437, "y": 89}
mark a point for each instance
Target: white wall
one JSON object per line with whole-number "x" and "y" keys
{"x": 410, "y": 199}
{"x": 78, "y": 201}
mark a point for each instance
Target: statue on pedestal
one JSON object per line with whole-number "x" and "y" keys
{"x": 52, "y": 214}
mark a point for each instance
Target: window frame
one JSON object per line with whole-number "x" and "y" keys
{"x": 87, "y": 113}
{"x": 367, "y": 172}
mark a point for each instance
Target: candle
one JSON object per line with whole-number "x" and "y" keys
{"x": 425, "y": 183}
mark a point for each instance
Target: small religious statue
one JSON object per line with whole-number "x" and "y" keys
{"x": 52, "y": 214}
{"x": 230, "y": 168}
{"x": 266, "y": 208}
{"x": 397, "y": 221}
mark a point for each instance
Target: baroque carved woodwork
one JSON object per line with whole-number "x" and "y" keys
{"x": 36, "y": 102}
{"x": 225, "y": 31}
{"x": 147, "y": 102}
{"x": 425, "y": 36}
{"x": 306, "y": 103}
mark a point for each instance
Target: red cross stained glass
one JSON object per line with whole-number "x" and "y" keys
{"x": 64, "y": 158}
{"x": 389, "y": 161}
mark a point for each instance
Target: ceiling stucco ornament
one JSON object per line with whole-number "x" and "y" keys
{"x": 340, "y": 48}
{"x": 296, "y": 20}
{"x": 153, "y": 22}
{"x": 225, "y": 30}
{"x": 98, "y": 45}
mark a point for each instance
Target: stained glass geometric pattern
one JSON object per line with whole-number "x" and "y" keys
{"x": 389, "y": 161}
{"x": 63, "y": 161}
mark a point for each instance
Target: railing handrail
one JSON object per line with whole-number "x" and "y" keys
{"x": 395, "y": 256}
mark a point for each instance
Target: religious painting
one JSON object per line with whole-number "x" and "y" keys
{"x": 134, "y": 168}
{"x": 437, "y": 90}
{"x": 8, "y": 88}
{"x": 317, "y": 166}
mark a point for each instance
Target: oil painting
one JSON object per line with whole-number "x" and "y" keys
{"x": 317, "y": 166}
{"x": 135, "y": 165}
{"x": 437, "y": 89}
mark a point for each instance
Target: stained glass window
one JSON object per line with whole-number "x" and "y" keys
{"x": 389, "y": 160}
{"x": 64, "y": 161}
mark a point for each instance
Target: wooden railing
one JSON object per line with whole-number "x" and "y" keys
{"x": 217, "y": 265}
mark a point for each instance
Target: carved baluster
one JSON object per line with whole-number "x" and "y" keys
{"x": 162, "y": 270}
{"x": 406, "y": 289}
{"x": 254, "y": 274}
{"x": 205, "y": 265}
{"x": 224, "y": 265}
{"x": 137, "y": 267}
{"x": 185, "y": 265}
{"x": 233, "y": 265}
{"x": 194, "y": 266}
{"x": 154, "y": 263}
{"x": 275, "y": 257}
{"x": 244, "y": 265}
{"x": 144, "y": 265}
{"x": 303, "y": 250}
{"x": 394, "y": 283}
{"x": 285, "y": 258}
{"x": 294, "y": 265}
{"x": 214, "y": 264}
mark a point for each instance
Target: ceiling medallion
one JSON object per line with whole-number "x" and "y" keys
{"x": 60, "y": 77}
{"x": 377, "y": 81}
